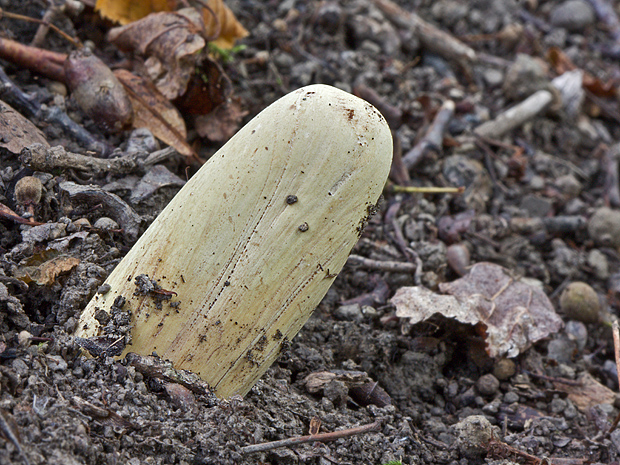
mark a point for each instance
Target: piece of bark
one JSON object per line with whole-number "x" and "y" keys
{"x": 112, "y": 204}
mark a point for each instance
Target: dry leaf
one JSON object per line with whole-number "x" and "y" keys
{"x": 222, "y": 123}
{"x": 561, "y": 63}
{"x": 46, "y": 273}
{"x": 209, "y": 88}
{"x": 588, "y": 393}
{"x": 127, "y": 11}
{"x": 514, "y": 313}
{"x": 222, "y": 25}
{"x": 169, "y": 42}
{"x": 17, "y": 132}
{"x": 153, "y": 111}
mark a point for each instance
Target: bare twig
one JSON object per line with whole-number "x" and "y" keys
{"x": 431, "y": 38}
{"x": 433, "y": 137}
{"x": 324, "y": 437}
{"x": 516, "y": 116}
{"x": 616, "y": 336}
{"x": 40, "y": 158}
{"x": 393, "y": 115}
{"x": 44, "y": 62}
{"x": 381, "y": 265}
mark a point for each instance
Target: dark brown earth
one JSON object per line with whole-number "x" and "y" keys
{"x": 535, "y": 202}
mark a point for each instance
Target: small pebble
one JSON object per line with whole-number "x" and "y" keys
{"x": 573, "y": 15}
{"x": 349, "y": 313}
{"x": 580, "y": 302}
{"x": 577, "y": 332}
{"x": 560, "y": 350}
{"x": 597, "y": 260}
{"x": 511, "y": 397}
{"x": 458, "y": 258}
{"x": 504, "y": 369}
{"x": 487, "y": 385}
{"x": 604, "y": 227}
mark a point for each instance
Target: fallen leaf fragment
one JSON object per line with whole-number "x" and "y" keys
{"x": 17, "y": 132}
{"x": 127, "y": 11}
{"x": 588, "y": 393}
{"x": 514, "y": 313}
{"x": 222, "y": 25}
{"x": 154, "y": 111}
{"x": 46, "y": 273}
{"x": 222, "y": 123}
{"x": 169, "y": 41}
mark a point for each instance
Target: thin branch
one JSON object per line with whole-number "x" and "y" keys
{"x": 324, "y": 437}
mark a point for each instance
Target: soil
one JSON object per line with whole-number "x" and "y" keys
{"x": 438, "y": 396}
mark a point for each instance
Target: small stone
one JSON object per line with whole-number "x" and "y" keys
{"x": 487, "y": 385}
{"x": 105, "y": 224}
{"x": 569, "y": 185}
{"x": 536, "y": 206}
{"x": 560, "y": 350}
{"x": 597, "y": 260}
{"x": 504, "y": 369}
{"x": 573, "y": 15}
{"x": 493, "y": 77}
{"x": 336, "y": 391}
{"x": 580, "y": 302}
{"x": 511, "y": 397}
{"x": 557, "y": 406}
{"x": 56, "y": 363}
{"x": 577, "y": 332}
{"x": 349, "y": 313}
{"x": 524, "y": 77}
{"x": 604, "y": 227}
{"x": 24, "y": 338}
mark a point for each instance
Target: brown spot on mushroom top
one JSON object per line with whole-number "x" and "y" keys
{"x": 351, "y": 113}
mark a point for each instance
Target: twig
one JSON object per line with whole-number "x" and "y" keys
{"x": 516, "y": 116}
{"x": 393, "y": 115}
{"x": 431, "y": 38}
{"x": 381, "y": 265}
{"x": 433, "y": 137}
{"x": 398, "y": 171}
{"x": 616, "y": 335}
{"x": 40, "y": 158}
{"x": 7, "y": 213}
{"x": 75, "y": 42}
{"x": 44, "y": 62}
{"x": 324, "y": 437}
{"x": 427, "y": 190}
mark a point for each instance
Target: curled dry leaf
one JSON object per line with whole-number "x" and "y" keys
{"x": 514, "y": 313}
{"x": 45, "y": 274}
{"x": 587, "y": 393}
{"x": 127, "y": 11}
{"x": 154, "y": 111}
{"x": 18, "y": 132}
{"x": 222, "y": 25}
{"x": 222, "y": 123}
{"x": 169, "y": 41}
